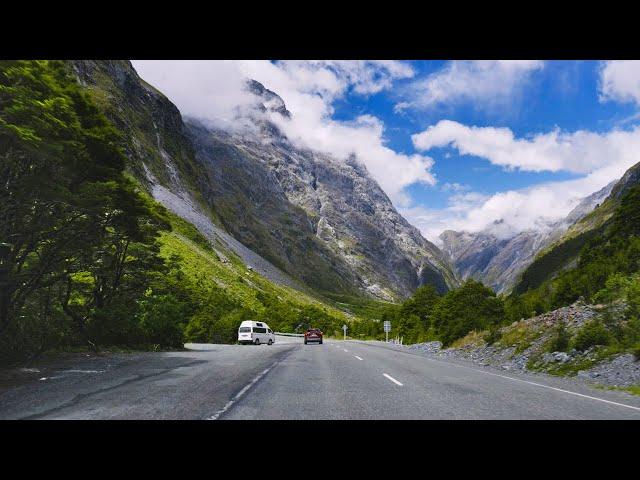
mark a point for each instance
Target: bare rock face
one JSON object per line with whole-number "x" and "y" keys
{"x": 498, "y": 261}
{"x": 297, "y": 198}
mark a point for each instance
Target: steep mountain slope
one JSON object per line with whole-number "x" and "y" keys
{"x": 298, "y": 217}
{"x": 497, "y": 261}
{"x": 564, "y": 252}
{"x": 159, "y": 152}
{"x": 289, "y": 203}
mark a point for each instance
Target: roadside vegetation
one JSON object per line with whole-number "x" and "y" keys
{"x": 428, "y": 316}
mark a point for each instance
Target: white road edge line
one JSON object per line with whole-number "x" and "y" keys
{"x": 392, "y": 379}
{"x": 357, "y": 357}
{"x": 564, "y": 391}
{"x": 537, "y": 384}
{"x": 216, "y": 415}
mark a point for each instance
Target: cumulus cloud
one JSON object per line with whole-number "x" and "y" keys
{"x": 578, "y": 152}
{"x": 620, "y": 81}
{"x": 214, "y": 90}
{"x": 484, "y": 83}
{"x": 602, "y": 158}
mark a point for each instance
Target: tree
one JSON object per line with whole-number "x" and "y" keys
{"x": 470, "y": 307}
{"x": 77, "y": 235}
{"x": 421, "y": 304}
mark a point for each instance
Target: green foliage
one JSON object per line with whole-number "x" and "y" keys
{"x": 493, "y": 335}
{"x": 470, "y": 307}
{"x": 161, "y": 319}
{"x": 552, "y": 261}
{"x": 428, "y": 316}
{"x": 560, "y": 340}
{"x": 79, "y": 240}
{"x": 592, "y": 334}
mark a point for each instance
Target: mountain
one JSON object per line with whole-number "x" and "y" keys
{"x": 497, "y": 261}
{"x": 564, "y": 252}
{"x": 323, "y": 220}
{"x": 298, "y": 216}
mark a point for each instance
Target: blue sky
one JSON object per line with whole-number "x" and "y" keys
{"x": 454, "y": 144}
{"x": 564, "y": 95}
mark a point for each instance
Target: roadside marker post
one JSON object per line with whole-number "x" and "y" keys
{"x": 344, "y": 329}
{"x": 387, "y": 328}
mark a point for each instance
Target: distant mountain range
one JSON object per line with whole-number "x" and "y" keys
{"x": 498, "y": 261}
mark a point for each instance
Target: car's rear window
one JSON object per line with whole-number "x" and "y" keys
{"x": 244, "y": 329}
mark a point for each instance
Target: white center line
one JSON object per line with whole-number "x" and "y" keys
{"x": 357, "y": 357}
{"x": 346, "y": 350}
{"x": 392, "y": 379}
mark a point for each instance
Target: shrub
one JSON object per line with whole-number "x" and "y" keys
{"x": 592, "y": 334}
{"x": 494, "y": 335}
{"x": 161, "y": 320}
{"x": 560, "y": 340}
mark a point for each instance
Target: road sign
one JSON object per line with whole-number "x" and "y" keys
{"x": 387, "y": 328}
{"x": 344, "y": 329}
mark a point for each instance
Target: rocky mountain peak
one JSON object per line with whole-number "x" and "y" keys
{"x": 269, "y": 100}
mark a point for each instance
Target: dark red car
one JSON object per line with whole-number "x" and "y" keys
{"x": 313, "y": 335}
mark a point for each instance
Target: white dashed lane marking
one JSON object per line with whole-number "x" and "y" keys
{"x": 392, "y": 379}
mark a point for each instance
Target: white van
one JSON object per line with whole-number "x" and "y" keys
{"x": 256, "y": 333}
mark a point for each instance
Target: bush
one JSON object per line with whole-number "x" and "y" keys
{"x": 208, "y": 326}
{"x": 494, "y": 335}
{"x": 636, "y": 351}
{"x": 161, "y": 320}
{"x": 470, "y": 307}
{"x": 560, "y": 340}
{"x": 592, "y": 334}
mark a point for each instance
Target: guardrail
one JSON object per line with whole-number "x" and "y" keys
{"x": 289, "y": 334}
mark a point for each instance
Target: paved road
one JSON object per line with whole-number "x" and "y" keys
{"x": 336, "y": 380}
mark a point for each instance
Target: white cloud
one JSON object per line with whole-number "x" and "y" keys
{"x": 485, "y": 83}
{"x": 620, "y": 81}
{"x": 216, "y": 94}
{"x": 577, "y": 152}
{"x": 212, "y": 90}
{"x": 602, "y": 158}
{"x": 455, "y": 187}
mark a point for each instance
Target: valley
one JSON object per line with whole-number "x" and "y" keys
{"x": 130, "y": 229}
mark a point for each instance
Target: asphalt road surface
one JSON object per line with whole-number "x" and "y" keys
{"x": 288, "y": 380}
